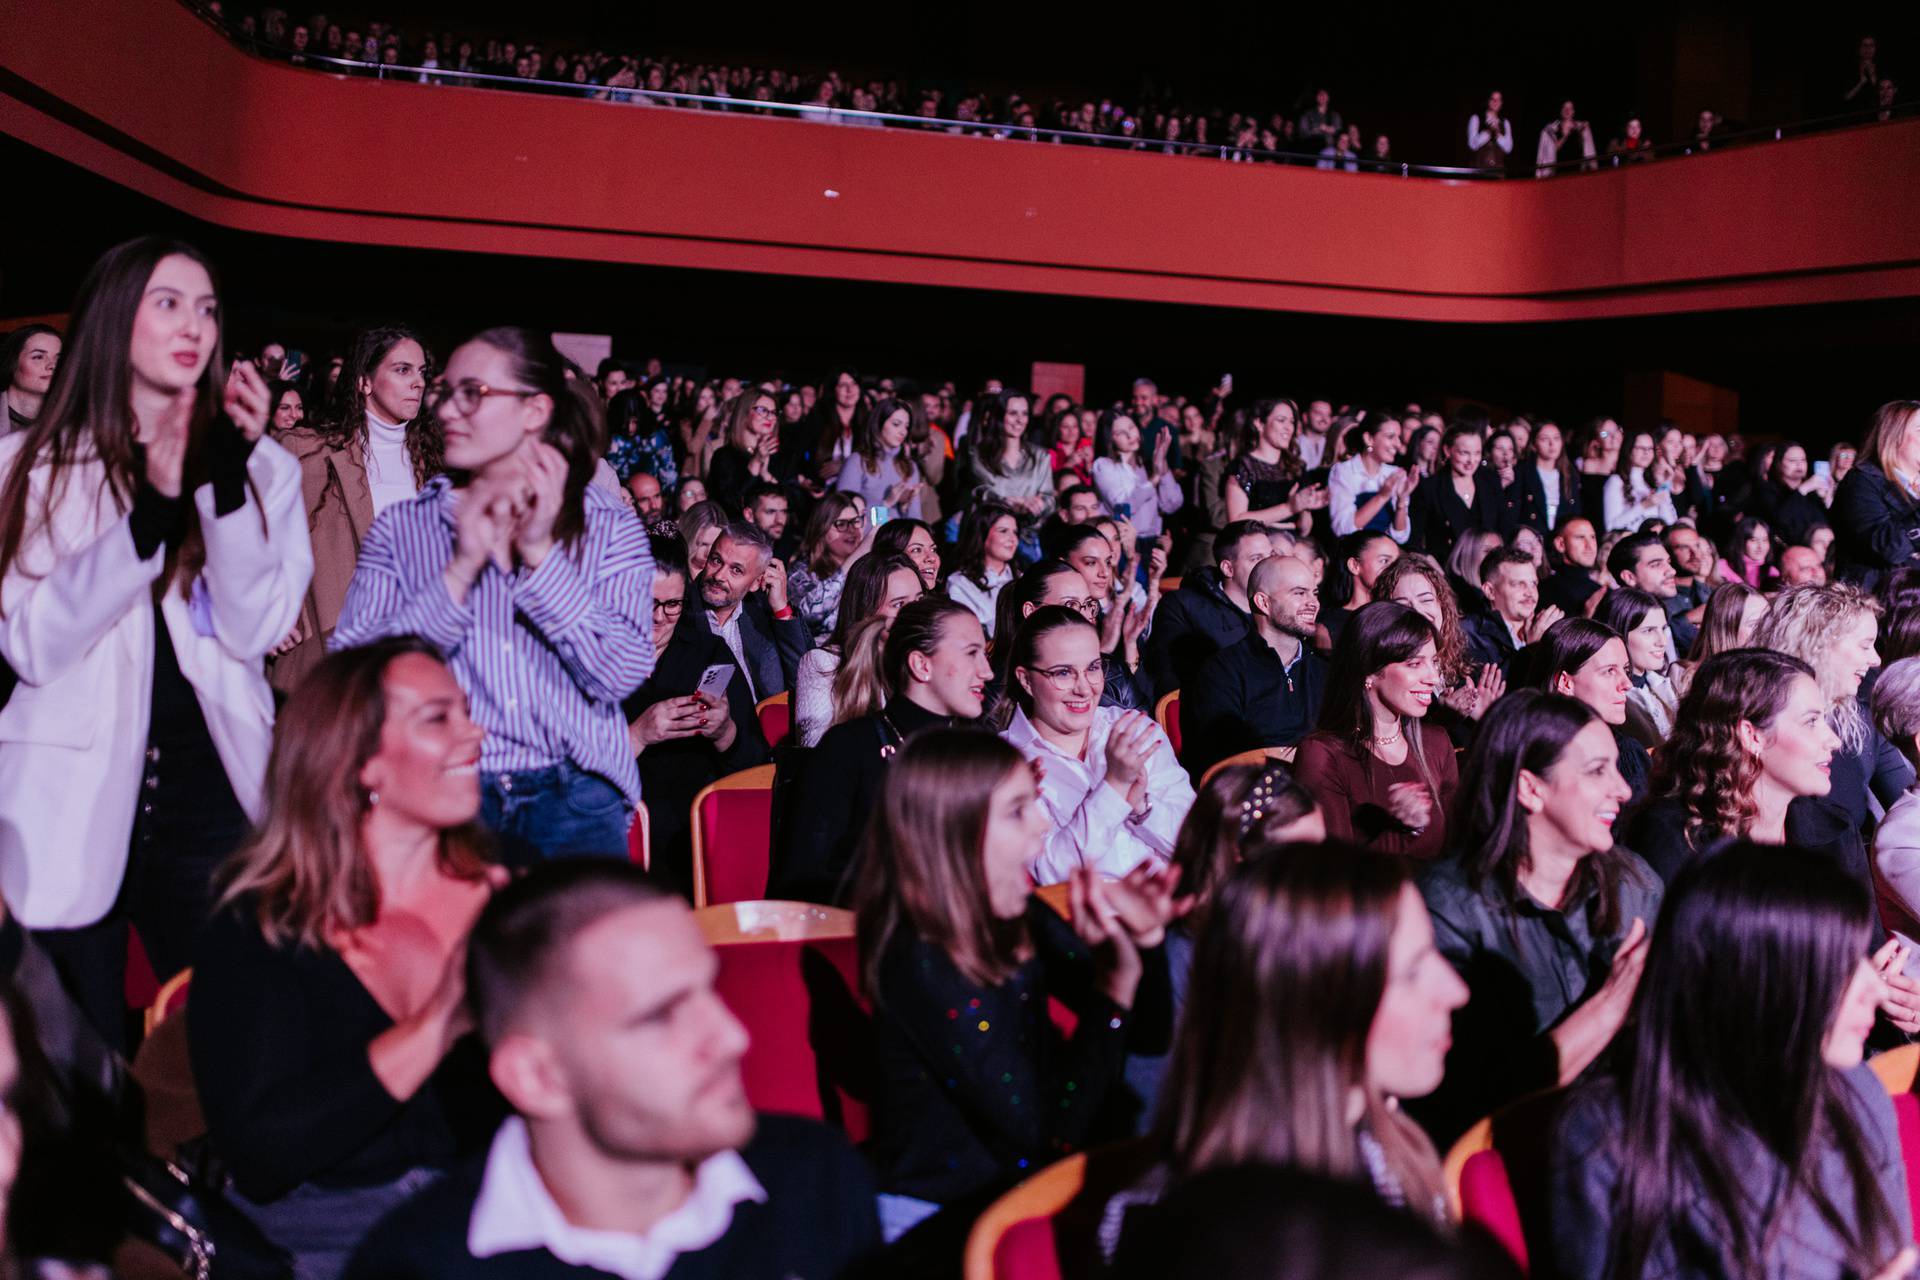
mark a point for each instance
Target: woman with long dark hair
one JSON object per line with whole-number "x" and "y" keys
{"x": 1134, "y": 485}
{"x": 878, "y": 586}
{"x": 826, "y": 436}
{"x": 375, "y": 447}
{"x": 1417, "y": 581}
{"x": 970, "y": 1103}
{"x": 881, "y": 468}
{"x": 1733, "y": 615}
{"x": 1385, "y": 775}
{"x": 152, "y": 551}
{"x": 829, "y": 546}
{"x": 985, "y": 560}
{"x": 537, "y": 583}
{"x": 1541, "y": 912}
{"x": 1354, "y": 568}
{"x": 1005, "y": 465}
{"x": 1641, "y": 487}
{"x": 1739, "y": 1132}
{"x": 1582, "y": 659}
{"x": 1641, "y": 620}
{"x": 1790, "y": 499}
{"x": 1746, "y": 555}
{"x": 28, "y": 358}
{"x": 1546, "y": 486}
{"x": 1317, "y": 1002}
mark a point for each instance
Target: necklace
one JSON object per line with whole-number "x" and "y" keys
{"x": 1389, "y": 739}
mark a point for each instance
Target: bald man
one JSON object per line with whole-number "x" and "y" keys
{"x": 1263, "y": 691}
{"x": 1801, "y": 565}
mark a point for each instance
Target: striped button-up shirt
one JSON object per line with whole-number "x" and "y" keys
{"x": 545, "y": 655}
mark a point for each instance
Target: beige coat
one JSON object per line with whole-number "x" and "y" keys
{"x": 339, "y": 504}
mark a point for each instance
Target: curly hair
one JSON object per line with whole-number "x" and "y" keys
{"x": 1805, "y": 623}
{"x": 1702, "y": 764}
{"x": 1452, "y": 641}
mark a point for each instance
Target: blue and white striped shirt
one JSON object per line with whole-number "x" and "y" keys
{"x": 545, "y": 655}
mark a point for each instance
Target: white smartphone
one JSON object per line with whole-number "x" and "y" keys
{"x": 714, "y": 681}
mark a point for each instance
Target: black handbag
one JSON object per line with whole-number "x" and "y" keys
{"x": 190, "y": 1219}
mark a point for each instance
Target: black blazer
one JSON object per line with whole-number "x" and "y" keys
{"x": 1876, "y": 527}
{"x": 773, "y": 646}
{"x": 1440, "y": 517}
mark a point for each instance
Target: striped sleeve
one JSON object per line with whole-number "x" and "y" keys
{"x": 396, "y": 591}
{"x": 596, "y": 610}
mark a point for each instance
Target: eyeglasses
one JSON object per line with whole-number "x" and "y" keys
{"x": 761, "y": 411}
{"x": 1063, "y": 679}
{"x": 1087, "y": 607}
{"x": 467, "y": 397}
{"x": 847, "y": 524}
{"x": 669, "y": 608}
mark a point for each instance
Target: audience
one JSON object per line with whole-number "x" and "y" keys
{"x": 1639, "y": 619}
{"x": 878, "y": 587}
{"x": 1876, "y": 512}
{"x": 1210, "y": 611}
{"x": 1265, "y": 690}
{"x": 985, "y": 560}
{"x": 832, "y": 543}
{"x": 28, "y": 357}
{"x": 1510, "y": 581}
{"x": 743, "y": 599}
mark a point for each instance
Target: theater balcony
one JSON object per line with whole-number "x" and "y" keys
{"x": 146, "y": 94}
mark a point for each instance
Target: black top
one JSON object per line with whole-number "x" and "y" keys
{"x": 837, "y": 792}
{"x": 977, "y": 1086}
{"x": 1570, "y": 589}
{"x": 1244, "y": 697}
{"x": 1636, "y": 766}
{"x": 1877, "y": 767}
{"x": 1790, "y": 515}
{"x": 728, "y": 478}
{"x": 1190, "y": 626}
{"x": 1489, "y": 640}
{"x": 1876, "y": 527}
{"x": 672, "y": 773}
{"x": 1440, "y": 516}
{"x": 1526, "y": 967}
{"x": 278, "y": 1038}
{"x": 817, "y": 1223}
{"x": 1266, "y": 484}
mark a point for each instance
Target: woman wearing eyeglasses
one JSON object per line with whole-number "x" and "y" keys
{"x": 832, "y": 542}
{"x": 1111, "y": 785}
{"x": 537, "y": 584}
{"x": 752, "y": 437}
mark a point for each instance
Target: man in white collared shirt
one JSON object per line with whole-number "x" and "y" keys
{"x": 634, "y": 1151}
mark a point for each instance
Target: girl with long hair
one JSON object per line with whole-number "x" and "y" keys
{"x": 1833, "y": 629}
{"x": 1056, "y": 582}
{"x": 878, "y": 587}
{"x": 1746, "y": 555}
{"x": 328, "y": 1002}
{"x": 1317, "y": 1001}
{"x": 828, "y": 431}
{"x": 1418, "y": 582}
{"x": 28, "y": 358}
{"x": 1004, "y": 465}
{"x": 1070, "y": 443}
{"x": 538, "y": 584}
{"x": 1143, "y": 489}
{"x": 1356, "y": 564}
{"x": 1640, "y": 488}
{"x": 750, "y": 438}
{"x": 1739, "y": 1132}
{"x": 1541, "y": 912}
{"x": 984, "y": 563}
{"x": 1386, "y": 776}
{"x": 1585, "y": 660}
{"x": 152, "y": 551}
{"x": 913, "y": 539}
{"x": 1732, "y": 619}
{"x": 829, "y": 546}
{"x": 881, "y": 468}
{"x": 1789, "y": 498}
{"x": 1549, "y": 490}
{"x": 1641, "y": 620}
{"x": 976, "y": 1084}
{"x": 375, "y": 447}
{"x": 1109, "y": 779}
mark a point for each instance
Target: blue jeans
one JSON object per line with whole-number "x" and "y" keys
{"x": 562, "y": 811}
{"x": 322, "y": 1226}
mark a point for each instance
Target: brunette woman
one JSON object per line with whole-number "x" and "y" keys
{"x": 1142, "y": 489}
{"x": 1582, "y": 659}
{"x": 1385, "y": 775}
{"x": 750, "y": 439}
{"x": 878, "y": 586}
{"x": 1108, "y": 777}
{"x": 1357, "y": 564}
{"x": 1641, "y": 620}
{"x": 984, "y": 563}
{"x": 1746, "y": 555}
{"x": 977, "y": 1086}
{"x": 376, "y": 447}
{"x": 328, "y": 1019}
{"x": 1640, "y": 489}
{"x": 881, "y": 469}
{"x": 828, "y": 548}
{"x": 906, "y": 536}
{"x": 1733, "y": 615}
{"x": 1789, "y": 498}
{"x": 934, "y": 667}
{"x": 827, "y": 434}
{"x": 1737, "y": 1136}
{"x": 1004, "y": 465}
{"x": 152, "y": 551}
{"x": 1539, "y": 910}
{"x": 28, "y": 358}
{"x": 536, "y": 582}
{"x": 1459, "y": 497}
{"x": 1547, "y": 487}
{"x": 1317, "y": 1002}
{"x": 1264, "y": 480}
{"x": 1418, "y": 582}
{"x": 1070, "y": 444}
{"x": 1055, "y": 582}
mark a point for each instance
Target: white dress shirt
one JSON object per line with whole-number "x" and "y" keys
{"x": 514, "y": 1211}
{"x": 1349, "y": 485}
{"x": 1311, "y": 448}
{"x": 1092, "y": 823}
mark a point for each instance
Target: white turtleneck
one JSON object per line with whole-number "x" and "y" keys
{"x": 389, "y": 470}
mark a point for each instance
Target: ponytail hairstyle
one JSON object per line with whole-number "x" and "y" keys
{"x": 1040, "y": 624}
{"x": 919, "y": 628}
{"x": 1016, "y": 599}
{"x": 576, "y": 427}
{"x": 859, "y": 689}
{"x": 426, "y": 446}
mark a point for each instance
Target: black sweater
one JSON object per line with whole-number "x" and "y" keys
{"x": 1874, "y": 524}
{"x": 1190, "y": 626}
{"x": 817, "y": 1223}
{"x": 977, "y": 1086}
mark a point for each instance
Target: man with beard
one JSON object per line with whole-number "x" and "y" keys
{"x": 743, "y": 594}
{"x": 1574, "y": 589}
{"x": 1264, "y": 690}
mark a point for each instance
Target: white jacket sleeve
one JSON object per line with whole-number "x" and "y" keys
{"x": 55, "y": 607}
{"x": 257, "y": 570}
{"x": 1342, "y": 500}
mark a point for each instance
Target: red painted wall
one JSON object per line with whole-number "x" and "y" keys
{"x": 143, "y": 93}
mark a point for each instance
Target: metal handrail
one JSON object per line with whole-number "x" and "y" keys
{"x": 818, "y": 113}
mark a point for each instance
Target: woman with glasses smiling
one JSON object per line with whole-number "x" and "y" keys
{"x": 1111, "y": 785}
{"x": 751, "y": 438}
{"x": 536, "y": 584}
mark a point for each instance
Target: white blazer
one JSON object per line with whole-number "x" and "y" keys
{"x": 76, "y": 622}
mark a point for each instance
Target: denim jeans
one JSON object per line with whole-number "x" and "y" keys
{"x": 561, "y": 811}
{"x": 322, "y": 1226}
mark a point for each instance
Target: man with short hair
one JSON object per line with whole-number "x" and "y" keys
{"x": 1311, "y": 440}
{"x": 649, "y": 501}
{"x": 1573, "y": 589}
{"x": 1642, "y": 561}
{"x": 743, "y": 593}
{"x": 1263, "y": 691}
{"x": 1080, "y": 504}
{"x": 1693, "y": 564}
{"x": 767, "y": 509}
{"x": 1511, "y": 584}
{"x": 1800, "y": 566}
{"x": 1210, "y": 611}
{"x": 1145, "y": 412}
{"x": 633, "y": 1151}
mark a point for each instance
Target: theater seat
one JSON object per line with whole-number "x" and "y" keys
{"x": 732, "y": 832}
{"x": 1486, "y": 1199}
{"x": 171, "y": 999}
{"x": 811, "y": 1050}
{"x": 776, "y": 718}
{"x": 1259, "y": 755}
{"x": 1897, "y": 1068}
{"x": 639, "y": 839}
{"x": 1167, "y": 713}
{"x": 1013, "y": 1240}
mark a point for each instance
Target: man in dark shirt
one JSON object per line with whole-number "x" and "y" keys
{"x": 1642, "y": 561}
{"x": 1265, "y": 690}
{"x": 1210, "y": 610}
{"x": 1512, "y": 588}
{"x": 1574, "y": 589}
{"x": 633, "y": 1148}
{"x": 1693, "y": 561}
{"x": 743, "y": 597}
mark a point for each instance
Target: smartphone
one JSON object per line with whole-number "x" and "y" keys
{"x": 1123, "y": 510}
{"x": 1823, "y": 469}
{"x": 714, "y": 681}
{"x": 878, "y": 514}
{"x": 1226, "y": 383}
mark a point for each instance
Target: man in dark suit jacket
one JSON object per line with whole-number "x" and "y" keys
{"x": 743, "y": 594}
{"x": 632, "y": 1137}
{"x": 1210, "y": 610}
{"x": 683, "y": 741}
{"x": 1512, "y": 587}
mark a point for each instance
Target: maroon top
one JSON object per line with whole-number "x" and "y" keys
{"x": 1351, "y": 785}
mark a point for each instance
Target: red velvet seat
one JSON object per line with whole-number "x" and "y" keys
{"x": 776, "y": 718}
{"x": 1026, "y": 1252}
{"x": 1486, "y": 1199}
{"x": 732, "y": 836}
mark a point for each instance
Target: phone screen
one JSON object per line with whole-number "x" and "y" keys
{"x": 1823, "y": 469}
{"x": 878, "y": 514}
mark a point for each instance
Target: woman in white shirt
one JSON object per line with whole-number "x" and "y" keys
{"x": 1368, "y": 491}
{"x": 1641, "y": 489}
{"x": 151, "y": 551}
{"x": 1109, "y": 782}
{"x": 877, "y": 586}
{"x": 989, "y": 546}
{"x": 1143, "y": 490}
